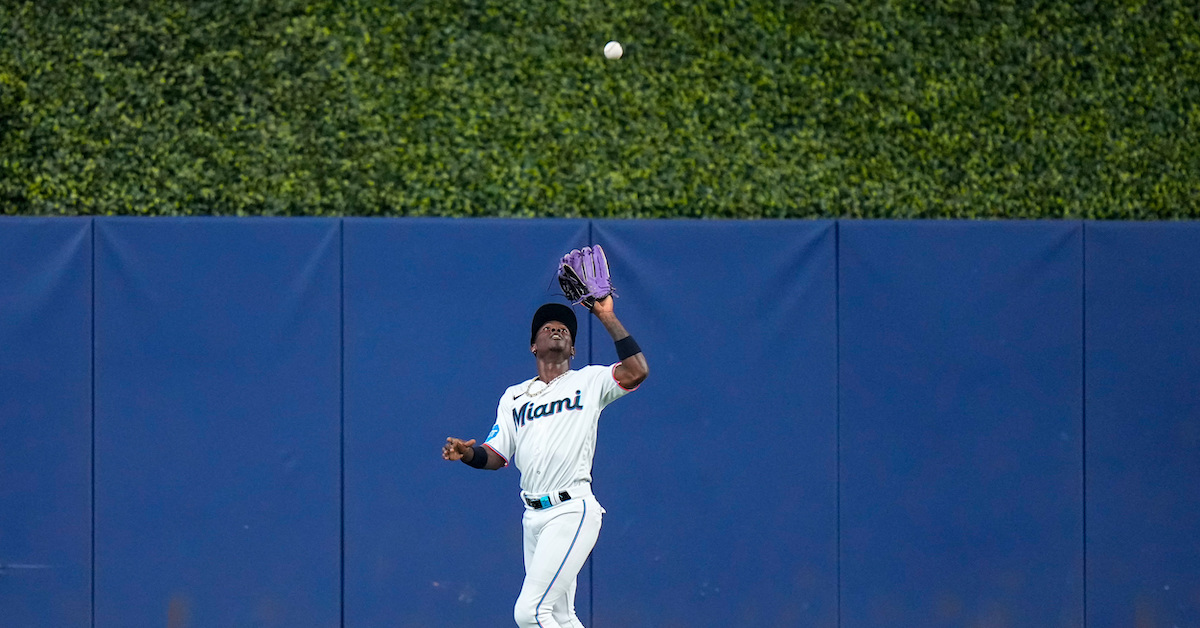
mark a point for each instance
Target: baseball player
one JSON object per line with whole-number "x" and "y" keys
{"x": 547, "y": 427}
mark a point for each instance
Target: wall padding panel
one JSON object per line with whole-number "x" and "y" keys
{"x": 45, "y": 422}
{"x": 961, "y": 447}
{"x": 1143, "y": 424}
{"x": 218, "y": 383}
{"x": 719, "y": 473}
{"x": 437, "y": 327}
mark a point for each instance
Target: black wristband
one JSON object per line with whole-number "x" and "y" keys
{"x": 627, "y": 347}
{"x": 481, "y": 458}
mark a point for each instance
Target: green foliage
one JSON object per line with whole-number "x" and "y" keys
{"x": 720, "y": 108}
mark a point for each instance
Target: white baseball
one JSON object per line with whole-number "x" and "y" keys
{"x": 613, "y": 50}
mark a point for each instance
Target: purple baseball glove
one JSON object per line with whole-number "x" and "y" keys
{"x": 583, "y": 276}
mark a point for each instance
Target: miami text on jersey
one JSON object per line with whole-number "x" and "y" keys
{"x": 530, "y": 412}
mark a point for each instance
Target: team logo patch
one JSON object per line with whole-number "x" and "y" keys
{"x": 492, "y": 434}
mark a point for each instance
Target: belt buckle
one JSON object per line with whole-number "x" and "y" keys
{"x": 544, "y": 502}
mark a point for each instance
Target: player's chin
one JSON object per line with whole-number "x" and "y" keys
{"x": 560, "y": 347}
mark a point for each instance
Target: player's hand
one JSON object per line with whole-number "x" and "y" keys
{"x": 455, "y": 449}
{"x": 602, "y": 307}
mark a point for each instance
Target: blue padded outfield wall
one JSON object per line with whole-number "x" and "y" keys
{"x": 237, "y": 422}
{"x": 1143, "y": 436}
{"x": 46, "y": 422}
{"x": 961, "y": 418}
{"x": 725, "y": 513}
{"x": 217, "y": 423}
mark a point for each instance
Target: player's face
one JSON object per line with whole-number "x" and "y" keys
{"x": 554, "y": 336}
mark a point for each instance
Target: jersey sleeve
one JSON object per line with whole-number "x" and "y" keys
{"x": 606, "y": 379}
{"x": 502, "y": 439}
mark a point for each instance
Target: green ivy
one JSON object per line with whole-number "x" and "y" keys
{"x": 719, "y": 108}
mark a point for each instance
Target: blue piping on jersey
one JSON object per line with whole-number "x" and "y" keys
{"x": 561, "y": 565}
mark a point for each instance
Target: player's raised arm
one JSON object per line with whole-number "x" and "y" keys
{"x": 633, "y": 368}
{"x": 583, "y": 275}
{"x": 473, "y": 455}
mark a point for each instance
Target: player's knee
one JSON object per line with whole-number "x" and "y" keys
{"x": 525, "y": 613}
{"x": 528, "y": 614}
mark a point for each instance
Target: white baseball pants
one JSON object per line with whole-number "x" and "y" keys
{"x": 557, "y": 542}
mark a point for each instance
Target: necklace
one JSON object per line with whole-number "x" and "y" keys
{"x": 529, "y": 388}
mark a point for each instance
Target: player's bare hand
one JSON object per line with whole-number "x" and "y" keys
{"x": 602, "y": 307}
{"x": 455, "y": 449}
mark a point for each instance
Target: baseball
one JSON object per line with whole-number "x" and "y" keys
{"x": 613, "y": 50}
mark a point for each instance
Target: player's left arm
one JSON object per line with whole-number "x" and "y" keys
{"x": 633, "y": 369}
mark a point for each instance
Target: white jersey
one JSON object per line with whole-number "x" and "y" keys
{"x": 549, "y": 431}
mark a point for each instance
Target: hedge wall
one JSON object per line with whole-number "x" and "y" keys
{"x": 720, "y": 108}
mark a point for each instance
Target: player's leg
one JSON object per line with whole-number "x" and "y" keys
{"x": 564, "y": 609}
{"x": 529, "y": 530}
{"x": 531, "y": 526}
{"x": 563, "y": 544}
{"x": 546, "y": 599}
